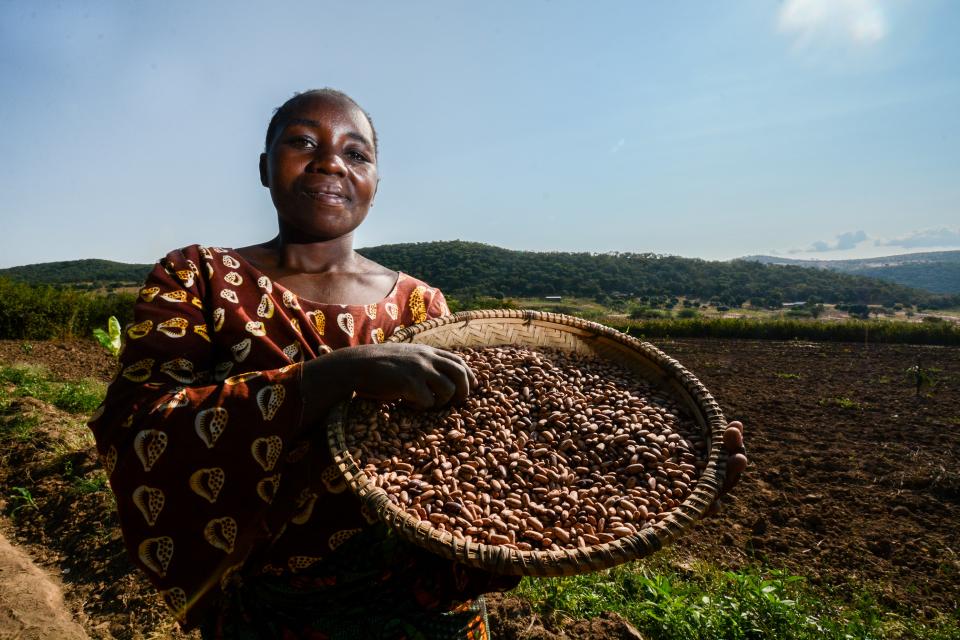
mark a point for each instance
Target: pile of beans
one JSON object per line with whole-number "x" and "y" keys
{"x": 553, "y": 450}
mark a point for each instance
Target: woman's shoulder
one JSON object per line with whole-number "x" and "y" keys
{"x": 420, "y": 299}
{"x": 194, "y": 253}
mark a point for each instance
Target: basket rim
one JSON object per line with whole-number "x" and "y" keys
{"x": 540, "y": 562}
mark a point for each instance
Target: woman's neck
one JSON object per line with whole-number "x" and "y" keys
{"x": 311, "y": 257}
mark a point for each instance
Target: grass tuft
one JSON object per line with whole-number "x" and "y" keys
{"x": 705, "y": 603}
{"x": 36, "y": 382}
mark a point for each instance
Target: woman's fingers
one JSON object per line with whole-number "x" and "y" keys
{"x": 457, "y": 359}
{"x": 441, "y": 387}
{"x": 458, "y": 374}
{"x": 736, "y": 465}
{"x": 420, "y": 394}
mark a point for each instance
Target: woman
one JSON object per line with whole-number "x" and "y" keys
{"x": 213, "y": 431}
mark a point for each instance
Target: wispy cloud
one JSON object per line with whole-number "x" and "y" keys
{"x": 842, "y": 242}
{"x": 618, "y": 145}
{"x": 811, "y": 22}
{"x": 936, "y": 237}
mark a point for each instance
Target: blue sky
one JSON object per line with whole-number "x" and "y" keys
{"x": 810, "y": 128}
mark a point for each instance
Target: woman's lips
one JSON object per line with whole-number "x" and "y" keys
{"x": 326, "y": 197}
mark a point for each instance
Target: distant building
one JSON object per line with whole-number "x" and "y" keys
{"x": 794, "y": 304}
{"x": 553, "y": 298}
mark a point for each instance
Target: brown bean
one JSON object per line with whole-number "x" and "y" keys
{"x": 560, "y": 449}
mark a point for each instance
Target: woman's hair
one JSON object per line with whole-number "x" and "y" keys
{"x": 280, "y": 112}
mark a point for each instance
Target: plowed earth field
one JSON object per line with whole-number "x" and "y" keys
{"x": 853, "y": 482}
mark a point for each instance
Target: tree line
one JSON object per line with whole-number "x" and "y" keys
{"x": 469, "y": 269}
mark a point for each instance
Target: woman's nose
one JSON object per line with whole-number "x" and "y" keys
{"x": 325, "y": 161}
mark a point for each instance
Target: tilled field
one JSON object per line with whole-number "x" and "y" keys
{"x": 853, "y": 482}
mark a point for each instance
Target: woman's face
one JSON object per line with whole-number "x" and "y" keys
{"x": 321, "y": 169}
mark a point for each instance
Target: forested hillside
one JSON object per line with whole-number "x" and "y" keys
{"x": 936, "y": 271}
{"x": 91, "y": 272}
{"x": 468, "y": 268}
{"x": 465, "y": 269}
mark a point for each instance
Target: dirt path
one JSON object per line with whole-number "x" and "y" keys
{"x": 31, "y": 604}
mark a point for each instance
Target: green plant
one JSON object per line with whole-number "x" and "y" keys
{"x": 90, "y": 484}
{"x": 19, "y": 427}
{"x": 920, "y": 377}
{"x": 78, "y": 397}
{"x": 787, "y": 376}
{"x": 26, "y": 347}
{"x": 843, "y": 402}
{"x": 109, "y": 339}
{"x": 23, "y": 499}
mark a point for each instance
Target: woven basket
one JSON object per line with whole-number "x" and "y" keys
{"x": 539, "y": 330}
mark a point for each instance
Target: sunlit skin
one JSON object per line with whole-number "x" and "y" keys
{"x": 321, "y": 170}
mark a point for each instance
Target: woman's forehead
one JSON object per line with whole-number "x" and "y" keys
{"x": 326, "y": 109}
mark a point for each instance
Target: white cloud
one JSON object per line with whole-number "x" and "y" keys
{"x": 935, "y": 237}
{"x": 857, "y": 22}
{"x": 842, "y": 242}
{"x": 619, "y": 145}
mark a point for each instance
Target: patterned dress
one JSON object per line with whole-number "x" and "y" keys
{"x": 228, "y": 502}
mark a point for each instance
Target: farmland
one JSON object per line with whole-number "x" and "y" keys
{"x": 846, "y": 521}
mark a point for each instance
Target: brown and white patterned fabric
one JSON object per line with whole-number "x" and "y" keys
{"x": 201, "y": 431}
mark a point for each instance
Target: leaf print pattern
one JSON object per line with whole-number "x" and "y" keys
{"x": 207, "y": 483}
{"x": 174, "y": 296}
{"x": 345, "y": 322}
{"x": 416, "y": 304}
{"x": 241, "y": 350}
{"x": 290, "y": 301}
{"x": 319, "y": 320}
{"x": 204, "y": 435}
{"x": 149, "y": 446}
{"x": 174, "y": 327}
{"x": 186, "y": 276}
{"x": 150, "y": 502}
{"x": 256, "y": 328}
{"x": 268, "y": 487}
{"x": 221, "y": 533}
{"x": 139, "y": 371}
{"x": 156, "y": 554}
{"x": 210, "y": 424}
{"x": 269, "y": 400}
{"x": 266, "y": 451}
{"x": 266, "y": 306}
{"x": 139, "y": 330}
{"x": 180, "y": 369}
{"x": 219, "y": 315}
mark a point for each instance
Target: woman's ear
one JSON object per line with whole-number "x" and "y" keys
{"x": 264, "y": 176}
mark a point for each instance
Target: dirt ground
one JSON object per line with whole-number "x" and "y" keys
{"x": 853, "y": 483}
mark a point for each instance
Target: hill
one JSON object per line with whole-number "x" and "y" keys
{"x": 469, "y": 268}
{"x": 89, "y": 273}
{"x": 936, "y": 271}
{"x": 466, "y": 269}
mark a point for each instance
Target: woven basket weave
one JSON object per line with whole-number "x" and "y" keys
{"x": 540, "y": 330}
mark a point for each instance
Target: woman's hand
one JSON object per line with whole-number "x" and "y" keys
{"x": 421, "y": 375}
{"x": 736, "y": 461}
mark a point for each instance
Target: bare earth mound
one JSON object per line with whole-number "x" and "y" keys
{"x": 854, "y": 482}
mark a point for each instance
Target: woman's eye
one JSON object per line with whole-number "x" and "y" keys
{"x": 358, "y": 156}
{"x": 303, "y": 143}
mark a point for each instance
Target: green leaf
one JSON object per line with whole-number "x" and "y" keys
{"x": 114, "y": 326}
{"x": 109, "y": 341}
